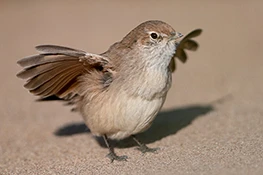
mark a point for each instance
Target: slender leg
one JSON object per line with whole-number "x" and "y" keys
{"x": 142, "y": 147}
{"x": 112, "y": 156}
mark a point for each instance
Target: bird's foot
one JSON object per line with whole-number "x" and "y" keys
{"x": 144, "y": 149}
{"x": 112, "y": 156}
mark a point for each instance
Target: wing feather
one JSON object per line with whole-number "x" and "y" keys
{"x": 56, "y": 69}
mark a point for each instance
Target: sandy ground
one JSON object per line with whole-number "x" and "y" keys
{"x": 211, "y": 123}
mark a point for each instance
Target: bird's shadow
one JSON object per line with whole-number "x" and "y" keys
{"x": 166, "y": 123}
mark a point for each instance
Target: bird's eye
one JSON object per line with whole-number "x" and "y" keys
{"x": 154, "y": 35}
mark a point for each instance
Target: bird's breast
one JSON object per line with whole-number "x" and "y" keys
{"x": 150, "y": 84}
{"x": 139, "y": 102}
{"x": 140, "y": 113}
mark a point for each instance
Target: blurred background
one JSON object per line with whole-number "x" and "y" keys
{"x": 228, "y": 64}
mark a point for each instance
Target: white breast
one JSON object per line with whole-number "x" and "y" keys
{"x": 139, "y": 103}
{"x": 136, "y": 115}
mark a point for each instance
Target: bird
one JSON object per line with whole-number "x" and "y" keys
{"x": 118, "y": 92}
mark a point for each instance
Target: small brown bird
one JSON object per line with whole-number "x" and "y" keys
{"x": 118, "y": 92}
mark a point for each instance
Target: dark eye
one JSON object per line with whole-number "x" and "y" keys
{"x": 154, "y": 35}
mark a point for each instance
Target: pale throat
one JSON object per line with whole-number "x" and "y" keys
{"x": 159, "y": 57}
{"x": 157, "y": 73}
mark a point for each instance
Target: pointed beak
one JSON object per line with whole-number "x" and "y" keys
{"x": 179, "y": 35}
{"x": 176, "y": 36}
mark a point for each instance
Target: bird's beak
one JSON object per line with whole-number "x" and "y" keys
{"x": 179, "y": 35}
{"x": 176, "y": 36}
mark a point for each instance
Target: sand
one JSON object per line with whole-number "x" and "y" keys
{"x": 211, "y": 122}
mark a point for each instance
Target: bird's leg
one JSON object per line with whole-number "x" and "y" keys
{"x": 112, "y": 155}
{"x": 142, "y": 147}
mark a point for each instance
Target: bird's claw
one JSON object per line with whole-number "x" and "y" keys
{"x": 144, "y": 149}
{"x": 112, "y": 156}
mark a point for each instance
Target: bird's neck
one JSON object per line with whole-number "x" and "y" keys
{"x": 147, "y": 79}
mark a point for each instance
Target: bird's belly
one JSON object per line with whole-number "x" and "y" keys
{"x": 135, "y": 115}
{"x": 122, "y": 111}
{"x": 120, "y": 115}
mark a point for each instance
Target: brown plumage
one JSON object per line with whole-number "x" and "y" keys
{"x": 120, "y": 91}
{"x": 56, "y": 70}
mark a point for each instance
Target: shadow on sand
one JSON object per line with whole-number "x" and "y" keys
{"x": 166, "y": 123}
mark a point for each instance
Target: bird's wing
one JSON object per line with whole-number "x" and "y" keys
{"x": 186, "y": 43}
{"x": 55, "y": 71}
